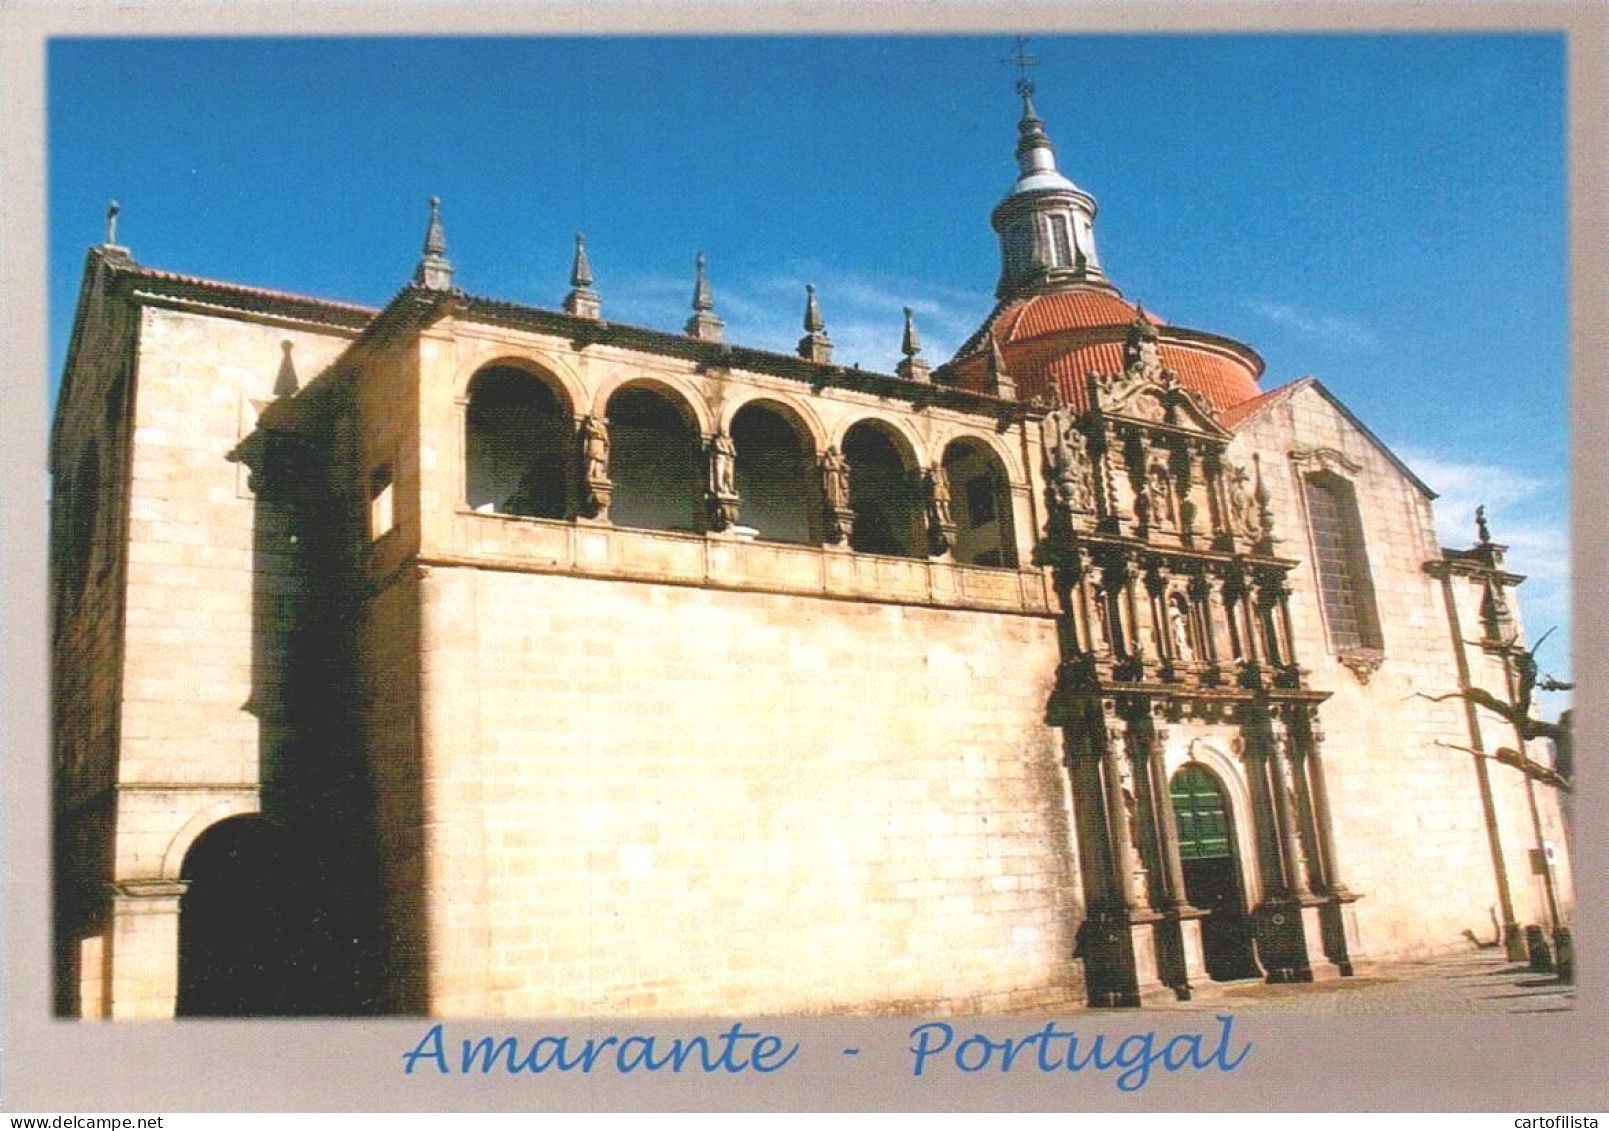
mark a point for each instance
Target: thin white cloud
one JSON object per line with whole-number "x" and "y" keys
{"x": 1323, "y": 329}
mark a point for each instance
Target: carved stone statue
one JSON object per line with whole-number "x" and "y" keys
{"x": 1159, "y": 494}
{"x": 595, "y": 448}
{"x": 723, "y": 465}
{"x": 1179, "y": 628}
{"x": 835, "y": 479}
{"x": 1067, "y": 462}
{"x": 1243, "y": 511}
{"x": 938, "y": 497}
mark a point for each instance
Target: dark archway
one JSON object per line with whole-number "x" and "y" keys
{"x": 775, "y": 475}
{"x": 1212, "y": 875}
{"x": 655, "y": 462}
{"x": 517, "y": 445}
{"x": 883, "y": 494}
{"x": 981, "y": 505}
{"x": 242, "y": 925}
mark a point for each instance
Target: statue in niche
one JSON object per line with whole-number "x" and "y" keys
{"x": 723, "y": 464}
{"x": 938, "y": 497}
{"x": 835, "y": 479}
{"x": 1179, "y": 628}
{"x": 1159, "y": 494}
{"x": 1243, "y": 512}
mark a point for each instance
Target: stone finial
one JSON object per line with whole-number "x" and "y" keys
{"x": 1264, "y": 500}
{"x": 582, "y": 301}
{"x": 703, "y": 325}
{"x": 1482, "y": 530}
{"x": 112, "y": 209}
{"x": 997, "y": 381}
{"x": 286, "y": 382}
{"x": 815, "y": 345}
{"x": 912, "y": 368}
{"x": 434, "y": 272}
{"x": 813, "y": 321}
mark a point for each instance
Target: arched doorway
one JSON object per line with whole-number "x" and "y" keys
{"x": 241, "y": 926}
{"x": 1212, "y": 879}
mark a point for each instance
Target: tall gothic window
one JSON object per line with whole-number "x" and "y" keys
{"x": 1342, "y": 562}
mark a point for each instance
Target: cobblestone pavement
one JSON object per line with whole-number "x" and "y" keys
{"x": 1479, "y": 982}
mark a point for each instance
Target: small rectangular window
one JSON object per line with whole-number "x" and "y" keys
{"x": 382, "y": 504}
{"x": 1061, "y": 241}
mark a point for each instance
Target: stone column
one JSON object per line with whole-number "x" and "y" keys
{"x": 1124, "y": 857}
{"x": 1097, "y": 866}
{"x": 1284, "y": 816}
{"x": 1321, "y": 811}
{"x": 145, "y": 948}
{"x": 1271, "y": 863}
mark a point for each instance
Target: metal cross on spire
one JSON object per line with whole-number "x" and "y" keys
{"x": 1020, "y": 57}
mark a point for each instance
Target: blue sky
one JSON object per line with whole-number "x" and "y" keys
{"x": 1387, "y": 213}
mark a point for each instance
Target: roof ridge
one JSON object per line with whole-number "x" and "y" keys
{"x": 156, "y": 273}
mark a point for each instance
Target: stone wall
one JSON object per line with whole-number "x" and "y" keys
{"x": 657, "y": 799}
{"x": 211, "y": 594}
{"x": 1408, "y": 819}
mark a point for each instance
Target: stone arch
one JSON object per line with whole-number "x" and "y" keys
{"x": 1231, "y": 776}
{"x": 980, "y": 488}
{"x": 800, "y": 414}
{"x": 884, "y": 489}
{"x": 179, "y": 846}
{"x": 778, "y": 484}
{"x": 898, "y": 430}
{"x": 543, "y": 366}
{"x": 519, "y": 440}
{"x": 688, "y": 399}
{"x": 1010, "y": 457}
{"x": 656, "y": 457}
{"x": 243, "y": 923}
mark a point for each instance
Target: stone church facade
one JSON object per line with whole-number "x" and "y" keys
{"x": 469, "y": 658}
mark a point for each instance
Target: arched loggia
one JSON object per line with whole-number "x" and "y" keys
{"x": 776, "y": 476}
{"x": 517, "y": 445}
{"x": 884, "y": 493}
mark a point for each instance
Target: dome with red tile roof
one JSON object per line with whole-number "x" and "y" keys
{"x": 1058, "y": 337}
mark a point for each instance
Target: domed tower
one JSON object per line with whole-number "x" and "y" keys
{"x": 1059, "y": 317}
{"x": 1046, "y": 224}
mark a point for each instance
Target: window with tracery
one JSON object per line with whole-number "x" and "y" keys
{"x": 1341, "y": 560}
